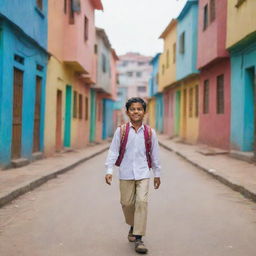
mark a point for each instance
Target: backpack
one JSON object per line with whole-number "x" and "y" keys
{"x": 124, "y": 132}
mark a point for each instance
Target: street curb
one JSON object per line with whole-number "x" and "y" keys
{"x": 39, "y": 181}
{"x": 238, "y": 188}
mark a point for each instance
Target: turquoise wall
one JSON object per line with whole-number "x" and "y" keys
{"x": 188, "y": 23}
{"x": 108, "y": 125}
{"x": 159, "y": 112}
{"x": 243, "y": 64}
{"x": 26, "y": 16}
{"x": 153, "y": 85}
{"x": 14, "y": 41}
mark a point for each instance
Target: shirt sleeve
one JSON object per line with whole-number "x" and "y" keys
{"x": 155, "y": 155}
{"x": 113, "y": 152}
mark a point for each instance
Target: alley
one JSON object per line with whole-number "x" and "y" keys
{"x": 77, "y": 214}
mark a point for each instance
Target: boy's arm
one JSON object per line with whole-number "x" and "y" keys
{"x": 155, "y": 155}
{"x": 113, "y": 152}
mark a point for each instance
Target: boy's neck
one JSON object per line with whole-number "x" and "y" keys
{"x": 136, "y": 125}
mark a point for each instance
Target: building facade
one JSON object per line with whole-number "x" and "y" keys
{"x": 71, "y": 73}
{"x": 214, "y": 65}
{"x": 187, "y": 74}
{"x": 23, "y": 65}
{"x": 241, "y": 44}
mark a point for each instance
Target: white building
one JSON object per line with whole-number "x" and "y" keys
{"x": 134, "y": 72}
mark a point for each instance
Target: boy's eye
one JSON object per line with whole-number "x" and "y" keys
{"x": 133, "y": 109}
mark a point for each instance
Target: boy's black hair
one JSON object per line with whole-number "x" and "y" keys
{"x": 136, "y": 100}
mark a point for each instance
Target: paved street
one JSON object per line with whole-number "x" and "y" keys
{"x": 77, "y": 214}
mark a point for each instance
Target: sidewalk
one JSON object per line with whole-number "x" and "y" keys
{"x": 15, "y": 182}
{"x": 238, "y": 175}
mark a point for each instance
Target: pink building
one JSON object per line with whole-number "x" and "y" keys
{"x": 214, "y": 64}
{"x": 169, "y": 109}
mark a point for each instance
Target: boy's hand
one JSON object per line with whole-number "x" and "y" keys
{"x": 108, "y": 179}
{"x": 157, "y": 183}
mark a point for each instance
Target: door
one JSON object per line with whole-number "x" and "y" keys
{"x": 67, "y": 132}
{"x": 177, "y": 113}
{"x": 17, "y": 113}
{"x": 93, "y": 115}
{"x": 184, "y": 112}
{"x": 59, "y": 121}
{"x": 37, "y": 115}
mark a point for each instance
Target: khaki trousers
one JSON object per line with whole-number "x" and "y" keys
{"x": 134, "y": 201}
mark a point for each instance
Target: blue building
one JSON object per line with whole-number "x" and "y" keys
{"x": 23, "y": 63}
{"x": 187, "y": 28}
{"x": 153, "y": 82}
{"x": 243, "y": 70}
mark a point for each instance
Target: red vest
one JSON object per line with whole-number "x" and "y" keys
{"x": 124, "y": 132}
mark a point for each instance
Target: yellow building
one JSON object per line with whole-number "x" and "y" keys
{"x": 167, "y": 63}
{"x": 151, "y": 112}
{"x": 241, "y": 20}
{"x": 189, "y": 109}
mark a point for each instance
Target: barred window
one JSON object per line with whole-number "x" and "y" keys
{"x": 191, "y": 102}
{"x": 206, "y": 17}
{"x": 220, "y": 94}
{"x": 196, "y": 100}
{"x": 80, "y": 113}
{"x": 206, "y": 97}
{"x": 75, "y": 105}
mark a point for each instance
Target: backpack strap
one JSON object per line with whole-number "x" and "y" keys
{"x": 148, "y": 144}
{"x": 124, "y": 132}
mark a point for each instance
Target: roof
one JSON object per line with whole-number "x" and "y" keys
{"x": 97, "y": 4}
{"x": 186, "y": 8}
{"x": 172, "y": 23}
{"x": 155, "y": 58}
{"x": 102, "y": 34}
{"x": 134, "y": 56}
{"x": 114, "y": 54}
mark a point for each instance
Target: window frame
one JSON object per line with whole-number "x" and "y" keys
{"x": 220, "y": 94}
{"x": 206, "y": 96}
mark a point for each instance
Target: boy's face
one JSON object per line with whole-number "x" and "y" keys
{"x": 136, "y": 112}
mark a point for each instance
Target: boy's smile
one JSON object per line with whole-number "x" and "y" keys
{"x": 136, "y": 112}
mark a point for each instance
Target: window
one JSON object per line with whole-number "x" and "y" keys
{"x": 86, "y": 28}
{"x": 71, "y": 13}
{"x": 80, "y": 113}
{"x": 19, "y": 59}
{"x": 141, "y": 63}
{"x": 182, "y": 43}
{"x": 162, "y": 69}
{"x": 239, "y": 3}
{"x": 39, "y": 4}
{"x": 138, "y": 74}
{"x": 167, "y": 59}
{"x": 39, "y": 67}
{"x": 75, "y": 105}
{"x": 104, "y": 63}
{"x": 206, "y": 97}
{"x": 86, "y": 108}
{"x": 95, "y": 48}
{"x": 205, "y": 17}
{"x": 130, "y": 74}
{"x": 212, "y": 10}
{"x": 157, "y": 78}
{"x": 190, "y": 102}
{"x": 65, "y": 6}
{"x": 174, "y": 53}
{"x": 142, "y": 89}
{"x": 196, "y": 101}
{"x": 220, "y": 94}
{"x": 99, "y": 111}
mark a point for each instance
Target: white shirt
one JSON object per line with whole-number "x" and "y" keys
{"x": 134, "y": 165}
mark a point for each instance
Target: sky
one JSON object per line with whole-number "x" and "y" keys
{"x": 135, "y": 25}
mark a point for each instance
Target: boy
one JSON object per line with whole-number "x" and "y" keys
{"x": 135, "y": 149}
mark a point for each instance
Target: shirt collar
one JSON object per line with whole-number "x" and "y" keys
{"x": 141, "y": 127}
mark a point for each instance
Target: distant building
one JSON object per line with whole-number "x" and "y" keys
{"x": 134, "y": 72}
